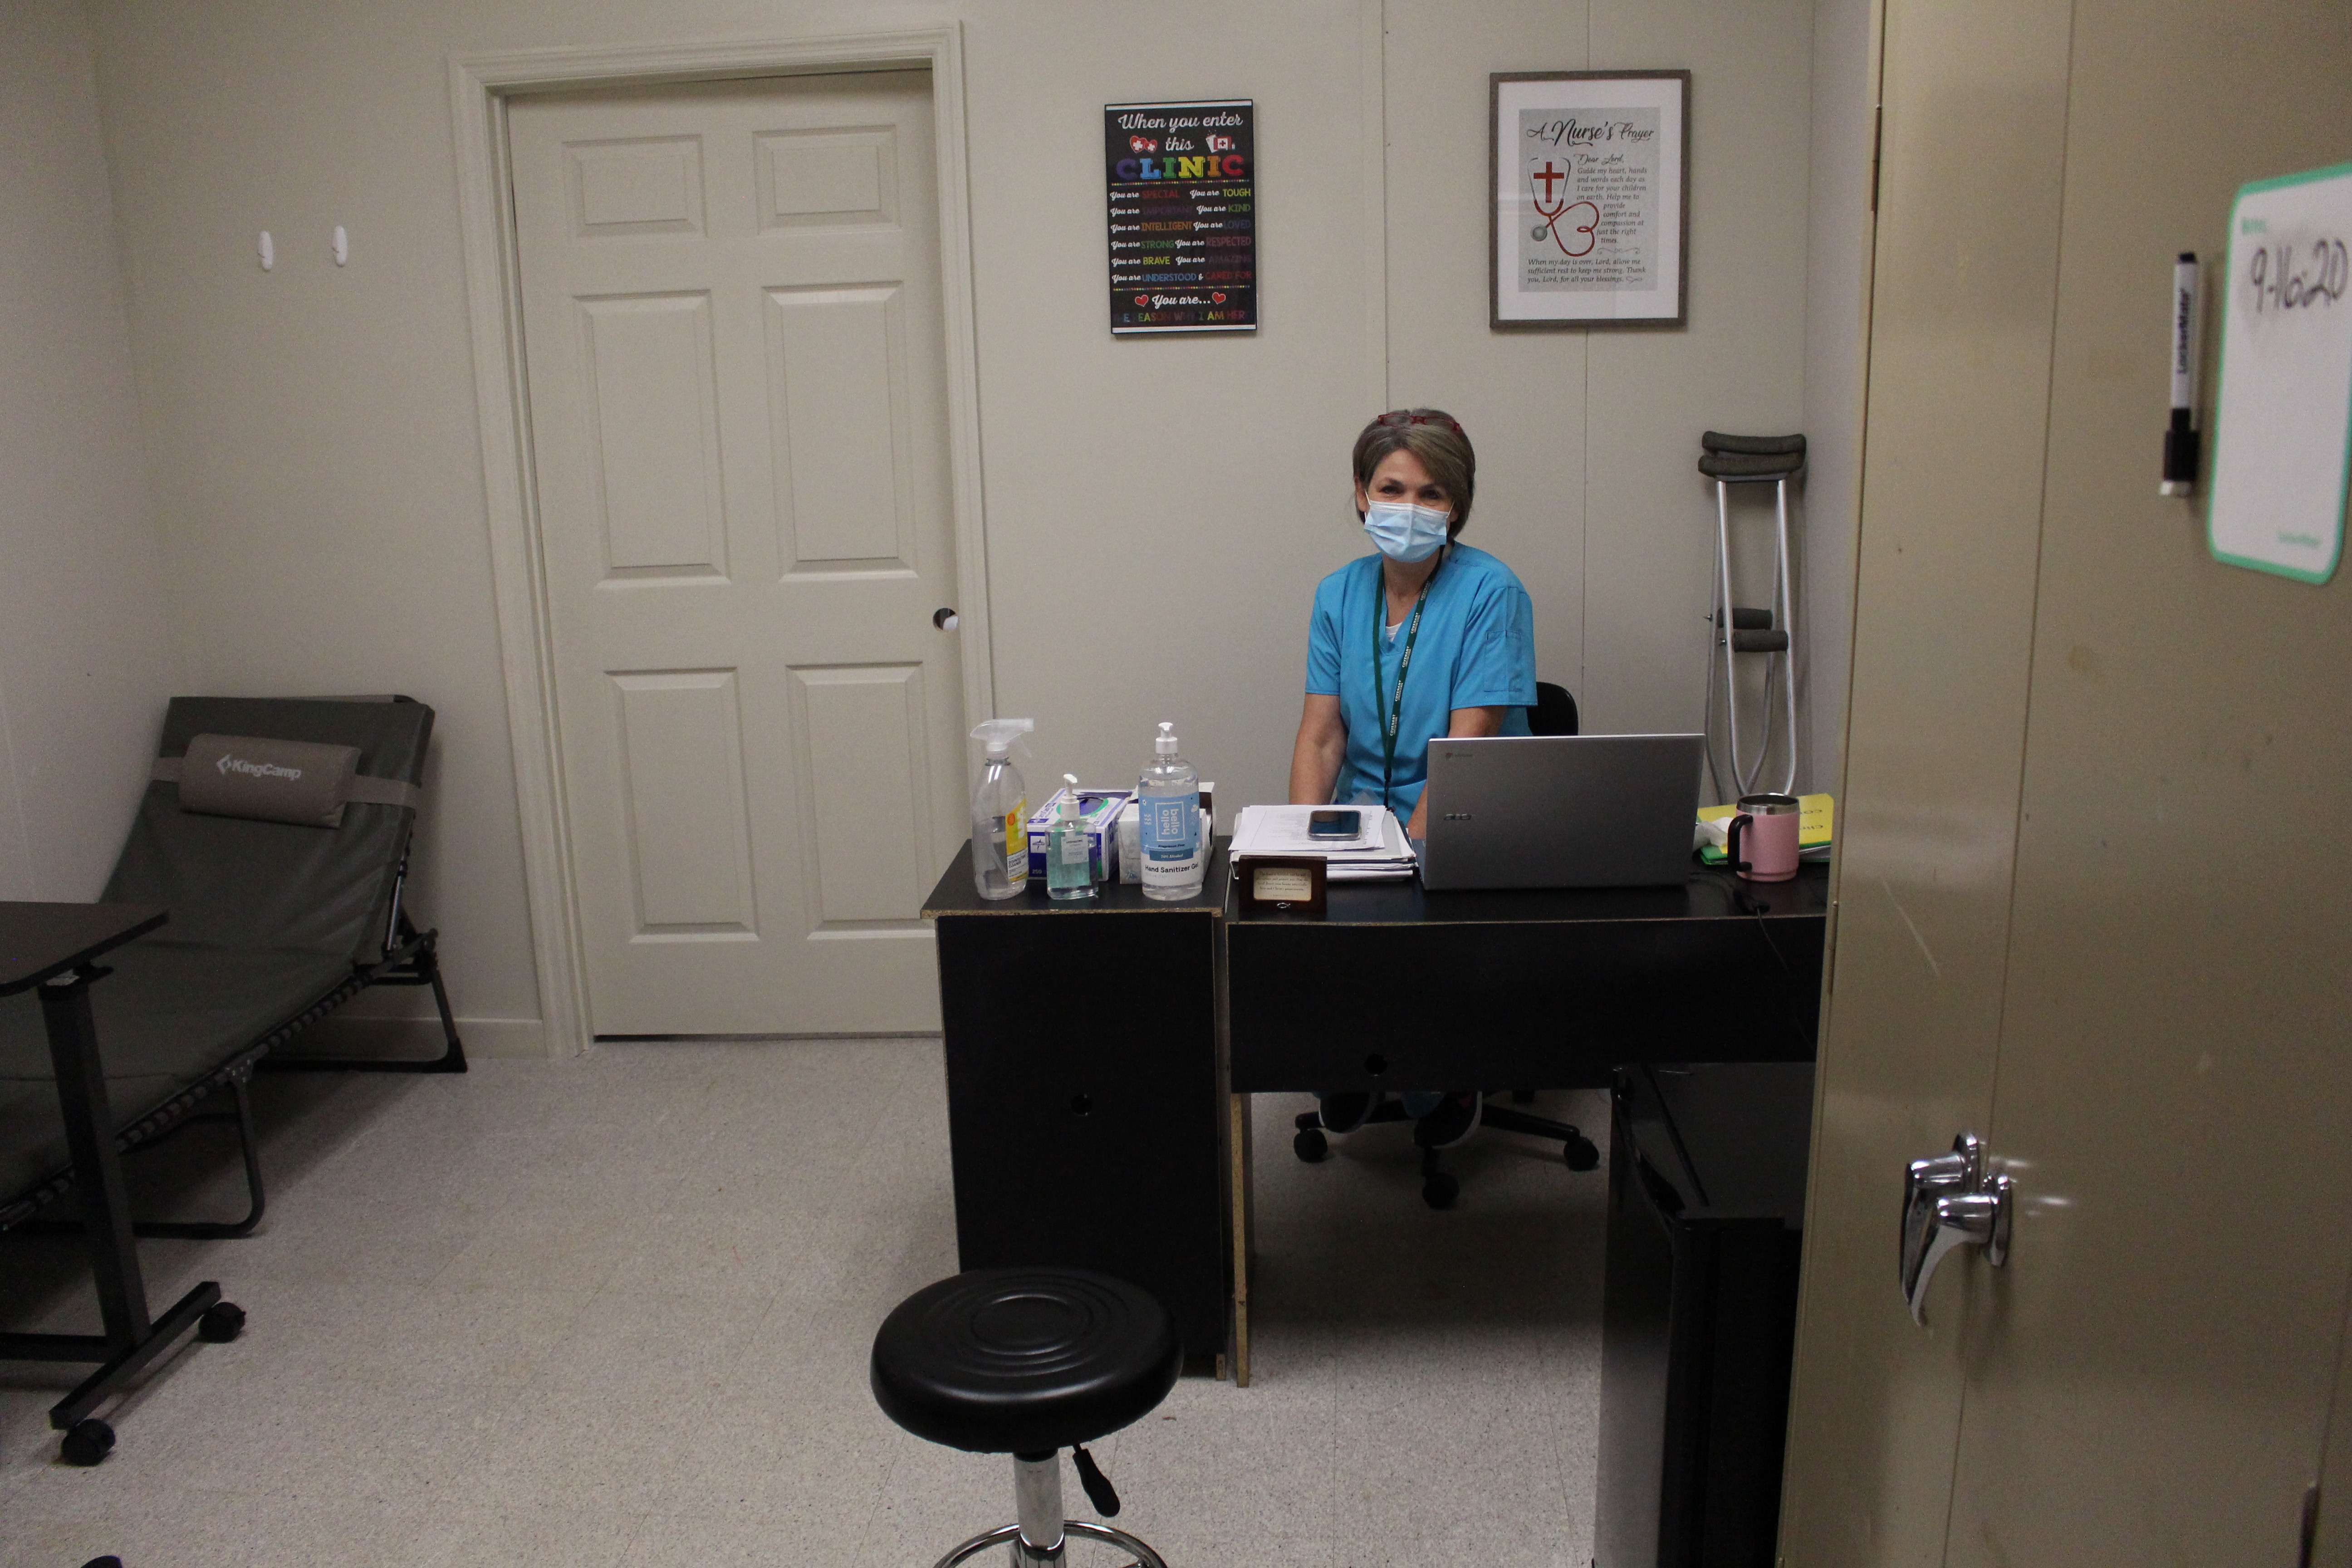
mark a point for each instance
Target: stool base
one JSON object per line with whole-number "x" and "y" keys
{"x": 1024, "y": 1553}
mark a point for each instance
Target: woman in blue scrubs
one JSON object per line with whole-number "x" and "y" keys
{"x": 1425, "y": 639}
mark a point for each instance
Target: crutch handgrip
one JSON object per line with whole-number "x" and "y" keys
{"x": 1753, "y": 446}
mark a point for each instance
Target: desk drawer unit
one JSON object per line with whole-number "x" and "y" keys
{"x": 1402, "y": 989}
{"x": 1083, "y": 1103}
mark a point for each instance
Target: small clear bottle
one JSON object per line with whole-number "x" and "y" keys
{"x": 1000, "y": 815}
{"x": 1167, "y": 796}
{"x": 1069, "y": 859}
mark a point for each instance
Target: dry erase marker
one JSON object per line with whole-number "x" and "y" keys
{"x": 2181, "y": 440}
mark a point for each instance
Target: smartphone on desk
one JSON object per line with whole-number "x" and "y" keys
{"x": 1334, "y": 824}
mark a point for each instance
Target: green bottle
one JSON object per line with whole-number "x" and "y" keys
{"x": 1069, "y": 861}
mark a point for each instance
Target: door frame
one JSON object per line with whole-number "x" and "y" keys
{"x": 479, "y": 88}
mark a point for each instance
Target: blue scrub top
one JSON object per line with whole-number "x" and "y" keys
{"x": 1476, "y": 649}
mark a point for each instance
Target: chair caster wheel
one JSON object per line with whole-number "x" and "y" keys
{"x": 1310, "y": 1145}
{"x": 1440, "y": 1191}
{"x": 1581, "y": 1154}
{"x": 87, "y": 1442}
{"x": 108, "y": 1561}
{"x": 222, "y": 1322}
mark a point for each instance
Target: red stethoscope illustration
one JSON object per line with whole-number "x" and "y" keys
{"x": 1548, "y": 177}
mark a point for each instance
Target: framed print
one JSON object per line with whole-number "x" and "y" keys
{"x": 1590, "y": 178}
{"x": 1183, "y": 197}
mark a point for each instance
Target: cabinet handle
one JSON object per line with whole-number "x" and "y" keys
{"x": 1951, "y": 1201}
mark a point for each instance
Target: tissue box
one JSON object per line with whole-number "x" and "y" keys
{"x": 1099, "y": 809}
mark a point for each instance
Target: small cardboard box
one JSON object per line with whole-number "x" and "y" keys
{"x": 1099, "y": 809}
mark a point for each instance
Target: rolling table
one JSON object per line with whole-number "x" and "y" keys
{"x": 57, "y": 947}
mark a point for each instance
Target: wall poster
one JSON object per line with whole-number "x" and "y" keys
{"x": 1589, "y": 173}
{"x": 1182, "y": 179}
{"x": 2283, "y": 434}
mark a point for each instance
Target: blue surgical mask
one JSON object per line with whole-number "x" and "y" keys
{"x": 1403, "y": 532}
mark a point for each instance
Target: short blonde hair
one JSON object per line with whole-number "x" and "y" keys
{"x": 1433, "y": 435}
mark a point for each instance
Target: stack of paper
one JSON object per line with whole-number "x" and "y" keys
{"x": 1377, "y": 852}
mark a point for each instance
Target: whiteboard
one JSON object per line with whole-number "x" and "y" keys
{"x": 2283, "y": 430}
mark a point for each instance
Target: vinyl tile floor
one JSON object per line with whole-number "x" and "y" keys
{"x": 616, "y": 1311}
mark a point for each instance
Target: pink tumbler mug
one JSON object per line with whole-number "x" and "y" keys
{"x": 1762, "y": 843}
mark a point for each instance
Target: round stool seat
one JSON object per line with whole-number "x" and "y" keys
{"x": 1021, "y": 1361}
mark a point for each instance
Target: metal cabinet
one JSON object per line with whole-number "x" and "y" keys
{"x": 1707, "y": 1202}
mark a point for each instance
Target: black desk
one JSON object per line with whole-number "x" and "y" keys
{"x": 1397, "y": 988}
{"x": 57, "y": 947}
{"x": 1541, "y": 990}
{"x": 1404, "y": 989}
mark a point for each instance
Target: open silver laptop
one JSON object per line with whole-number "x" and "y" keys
{"x": 1560, "y": 811}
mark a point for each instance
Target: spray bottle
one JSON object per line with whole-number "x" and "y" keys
{"x": 1000, "y": 814}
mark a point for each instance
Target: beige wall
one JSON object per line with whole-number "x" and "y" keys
{"x": 86, "y": 649}
{"x": 314, "y": 428}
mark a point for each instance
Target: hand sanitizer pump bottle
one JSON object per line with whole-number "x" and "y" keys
{"x": 1000, "y": 815}
{"x": 1168, "y": 798}
{"x": 1069, "y": 859}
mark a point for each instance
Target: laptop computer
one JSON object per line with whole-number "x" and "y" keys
{"x": 1560, "y": 811}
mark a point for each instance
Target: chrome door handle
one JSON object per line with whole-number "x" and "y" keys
{"x": 1951, "y": 1201}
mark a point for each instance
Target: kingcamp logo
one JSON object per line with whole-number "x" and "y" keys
{"x": 235, "y": 764}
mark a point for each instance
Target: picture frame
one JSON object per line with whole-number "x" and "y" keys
{"x": 1297, "y": 886}
{"x": 1588, "y": 179}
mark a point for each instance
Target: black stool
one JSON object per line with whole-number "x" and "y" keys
{"x": 1028, "y": 1361}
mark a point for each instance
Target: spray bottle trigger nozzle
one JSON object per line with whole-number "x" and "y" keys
{"x": 1001, "y": 735}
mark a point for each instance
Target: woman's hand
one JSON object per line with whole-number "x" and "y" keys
{"x": 1322, "y": 745}
{"x": 1463, "y": 724}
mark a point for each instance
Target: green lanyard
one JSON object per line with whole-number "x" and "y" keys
{"x": 1404, "y": 663}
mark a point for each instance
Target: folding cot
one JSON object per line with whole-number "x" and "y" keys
{"x": 277, "y": 916}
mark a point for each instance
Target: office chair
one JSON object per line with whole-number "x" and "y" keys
{"x": 1554, "y": 713}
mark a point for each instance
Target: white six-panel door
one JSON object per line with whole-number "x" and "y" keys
{"x": 733, "y": 342}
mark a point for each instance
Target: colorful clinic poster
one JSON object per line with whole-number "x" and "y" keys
{"x": 2283, "y": 437}
{"x": 1183, "y": 216}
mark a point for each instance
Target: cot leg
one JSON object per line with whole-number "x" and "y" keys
{"x": 423, "y": 968}
{"x": 224, "y": 1230}
{"x": 190, "y": 1230}
{"x": 454, "y": 1055}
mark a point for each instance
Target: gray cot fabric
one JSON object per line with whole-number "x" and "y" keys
{"x": 169, "y": 1014}
{"x": 267, "y": 919}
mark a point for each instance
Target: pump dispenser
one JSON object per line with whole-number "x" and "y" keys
{"x": 1069, "y": 859}
{"x": 1167, "y": 796}
{"x": 1000, "y": 812}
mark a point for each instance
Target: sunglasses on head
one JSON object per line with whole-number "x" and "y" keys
{"x": 1399, "y": 420}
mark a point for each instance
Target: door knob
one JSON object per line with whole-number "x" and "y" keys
{"x": 947, "y": 620}
{"x": 1951, "y": 1201}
